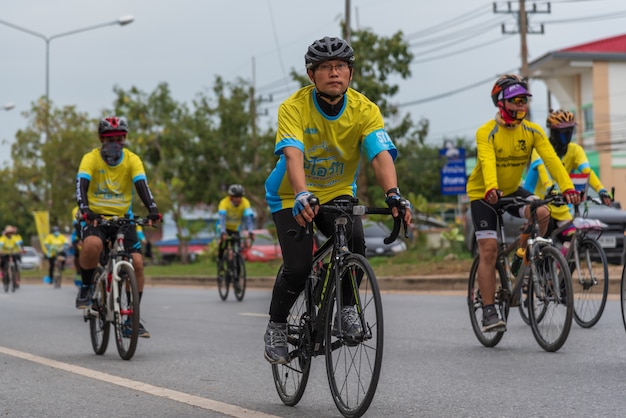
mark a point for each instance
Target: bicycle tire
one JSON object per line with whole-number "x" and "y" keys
{"x": 126, "y": 321}
{"x": 291, "y": 379}
{"x": 240, "y": 271}
{"x": 5, "y": 279}
{"x": 57, "y": 277}
{"x": 591, "y": 288}
{"x": 99, "y": 327}
{"x": 623, "y": 295}
{"x": 13, "y": 277}
{"x": 475, "y": 304}
{"x": 353, "y": 366}
{"x": 223, "y": 284}
{"x": 552, "y": 329}
{"x": 523, "y": 301}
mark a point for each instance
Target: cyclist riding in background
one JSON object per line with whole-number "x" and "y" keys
{"x": 562, "y": 124}
{"x": 323, "y": 131}
{"x": 504, "y": 146}
{"x": 231, "y": 211}
{"x": 77, "y": 243}
{"x": 104, "y": 186}
{"x": 11, "y": 244}
{"x": 54, "y": 245}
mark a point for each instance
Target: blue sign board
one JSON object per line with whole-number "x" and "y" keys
{"x": 453, "y": 178}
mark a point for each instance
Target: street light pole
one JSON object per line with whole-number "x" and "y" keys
{"x": 122, "y": 21}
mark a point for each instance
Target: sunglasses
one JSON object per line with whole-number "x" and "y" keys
{"x": 520, "y": 100}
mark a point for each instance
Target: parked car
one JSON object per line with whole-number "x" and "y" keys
{"x": 30, "y": 259}
{"x": 264, "y": 248}
{"x": 375, "y": 233}
{"x": 612, "y": 238}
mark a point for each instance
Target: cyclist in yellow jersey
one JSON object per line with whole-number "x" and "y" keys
{"x": 54, "y": 245}
{"x": 323, "y": 131}
{"x": 231, "y": 211}
{"x": 503, "y": 147}
{"x": 11, "y": 243}
{"x": 562, "y": 124}
{"x": 104, "y": 186}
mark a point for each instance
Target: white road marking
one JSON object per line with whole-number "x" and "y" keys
{"x": 174, "y": 395}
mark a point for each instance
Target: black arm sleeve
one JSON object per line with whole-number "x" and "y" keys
{"x": 146, "y": 196}
{"x": 82, "y": 185}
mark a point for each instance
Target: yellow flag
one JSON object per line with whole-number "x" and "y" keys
{"x": 43, "y": 224}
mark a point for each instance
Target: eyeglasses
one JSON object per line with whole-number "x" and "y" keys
{"x": 327, "y": 68}
{"x": 520, "y": 100}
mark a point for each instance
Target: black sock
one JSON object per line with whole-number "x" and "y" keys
{"x": 87, "y": 276}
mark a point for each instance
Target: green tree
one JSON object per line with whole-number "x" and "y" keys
{"x": 44, "y": 169}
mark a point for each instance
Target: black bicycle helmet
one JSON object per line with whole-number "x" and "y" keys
{"x": 235, "y": 190}
{"x": 112, "y": 126}
{"x": 327, "y": 49}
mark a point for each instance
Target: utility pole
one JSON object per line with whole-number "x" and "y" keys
{"x": 346, "y": 25}
{"x": 523, "y": 28}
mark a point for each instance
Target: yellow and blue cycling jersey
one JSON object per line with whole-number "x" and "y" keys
{"x": 575, "y": 162}
{"x": 502, "y": 156}
{"x": 12, "y": 245}
{"x": 54, "y": 244}
{"x": 110, "y": 192}
{"x": 230, "y": 216}
{"x": 332, "y": 145}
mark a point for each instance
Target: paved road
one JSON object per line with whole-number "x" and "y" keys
{"x": 205, "y": 360}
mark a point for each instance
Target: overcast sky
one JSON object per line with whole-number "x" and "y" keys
{"x": 186, "y": 43}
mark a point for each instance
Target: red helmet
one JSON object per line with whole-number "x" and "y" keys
{"x": 112, "y": 126}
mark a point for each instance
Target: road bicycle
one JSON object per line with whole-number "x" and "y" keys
{"x": 11, "y": 274}
{"x": 589, "y": 267}
{"x": 115, "y": 299}
{"x": 59, "y": 263}
{"x": 235, "y": 272}
{"x": 542, "y": 288}
{"x": 353, "y": 363}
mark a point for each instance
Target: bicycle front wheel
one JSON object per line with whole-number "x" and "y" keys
{"x": 13, "y": 270}
{"x": 239, "y": 284}
{"x": 550, "y": 295}
{"x": 99, "y": 327}
{"x": 590, "y": 282}
{"x": 126, "y": 321}
{"x": 475, "y": 304}
{"x": 291, "y": 379}
{"x": 354, "y": 359}
{"x": 223, "y": 284}
{"x": 57, "y": 278}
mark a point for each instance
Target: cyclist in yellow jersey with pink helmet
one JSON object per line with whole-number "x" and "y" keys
{"x": 503, "y": 147}
{"x": 106, "y": 180}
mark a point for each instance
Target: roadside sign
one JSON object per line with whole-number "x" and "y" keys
{"x": 453, "y": 177}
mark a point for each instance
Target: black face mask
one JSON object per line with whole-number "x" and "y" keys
{"x": 111, "y": 152}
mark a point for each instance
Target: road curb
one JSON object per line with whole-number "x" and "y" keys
{"x": 386, "y": 283}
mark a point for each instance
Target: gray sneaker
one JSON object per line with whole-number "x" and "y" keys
{"x": 492, "y": 321}
{"x": 276, "y": 350}
{"x": 83, "y": 299}
{"x": 350, "y": 323}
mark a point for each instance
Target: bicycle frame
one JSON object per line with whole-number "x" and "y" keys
{"x": 117, "y": 257}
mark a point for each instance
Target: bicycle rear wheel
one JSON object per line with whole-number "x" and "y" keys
{"x": 99, "y": 327}
{"x": 590, "y": 282}
{"x": 353, "y": 364}
{"x": 126, "y": 321}
{"x": 57, "y": 277}
{"x": 475, "y": 304}
{"x": 623, "y": 295}
{"x": 13, "y": 270}
{"x": 550, "y": 293}
{"x": 291, "y": 379}
{"x": 239, "y": 284}
{"x": 223, "y": 284}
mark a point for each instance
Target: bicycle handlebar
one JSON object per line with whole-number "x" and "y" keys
{"x": 517, "y": 201}
{"x": 115, "y": 220}
{"x": 351, "y": 207}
